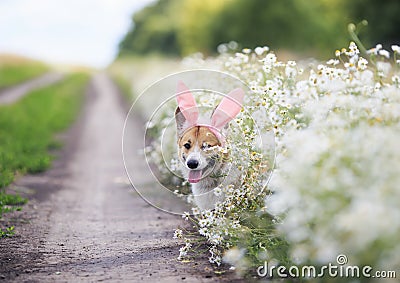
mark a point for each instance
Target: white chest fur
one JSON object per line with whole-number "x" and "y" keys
{"x": 203, "y": 191}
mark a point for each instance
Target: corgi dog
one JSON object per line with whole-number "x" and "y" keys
{"x": 201, "y": 146}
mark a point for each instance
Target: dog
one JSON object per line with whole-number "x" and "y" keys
{"x": 202, "y": 146}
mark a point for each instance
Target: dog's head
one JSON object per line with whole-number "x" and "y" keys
{"x": 196, "y": 149}
{"x": 197, "y": 143}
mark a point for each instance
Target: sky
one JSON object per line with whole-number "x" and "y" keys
{"x": 83, "y": 32}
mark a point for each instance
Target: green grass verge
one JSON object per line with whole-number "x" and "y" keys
{"x": 124, "y": 87}
{"x": 27, "y": 130}
{"x": 12, "y": 73}
{"x": 139, "y": 72}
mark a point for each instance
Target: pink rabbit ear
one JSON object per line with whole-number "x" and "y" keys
{"x": 227, "y": 110}
{"x": 187, "y": 103}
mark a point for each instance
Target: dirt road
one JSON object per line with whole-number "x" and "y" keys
{"x": 12, "y": 94}
{"x": 85, "y": 222}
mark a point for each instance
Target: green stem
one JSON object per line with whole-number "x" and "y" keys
{"x": 352, "y": 31}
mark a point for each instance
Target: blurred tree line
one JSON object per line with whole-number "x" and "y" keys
{"x": 181, "y": 27}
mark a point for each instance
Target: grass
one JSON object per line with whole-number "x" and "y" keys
{"x": 10, "y": 202}
{"x": 7, "y": 232}
{"x": 27, "y": 130}
{"x": 143, "y": 71}
{"x": 124, "y": 87}
{"x": 138, "y": 73}
{"x": 14, "y": 70}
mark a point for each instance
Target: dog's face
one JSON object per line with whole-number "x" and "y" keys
{"x": 197, "y": 144}
{"x": 196, "y": 152}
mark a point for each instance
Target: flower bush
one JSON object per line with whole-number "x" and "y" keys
{"x": 335, "y": 183}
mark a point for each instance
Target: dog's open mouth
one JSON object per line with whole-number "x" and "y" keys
{"x": 195, "y": 176}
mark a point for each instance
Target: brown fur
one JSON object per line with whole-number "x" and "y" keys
{"x": 196, "y": 137}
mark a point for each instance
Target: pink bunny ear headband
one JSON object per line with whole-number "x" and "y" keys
{"x": 226, "y": 111}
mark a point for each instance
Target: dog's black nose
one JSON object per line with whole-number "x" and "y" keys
{"x": 192, "y": 163}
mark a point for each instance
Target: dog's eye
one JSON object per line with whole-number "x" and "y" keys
{"x": 206, "y": 145}
{"x": 187, "y": 145}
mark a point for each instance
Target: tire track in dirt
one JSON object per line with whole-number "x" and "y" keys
{"x": 94, "y": 227}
